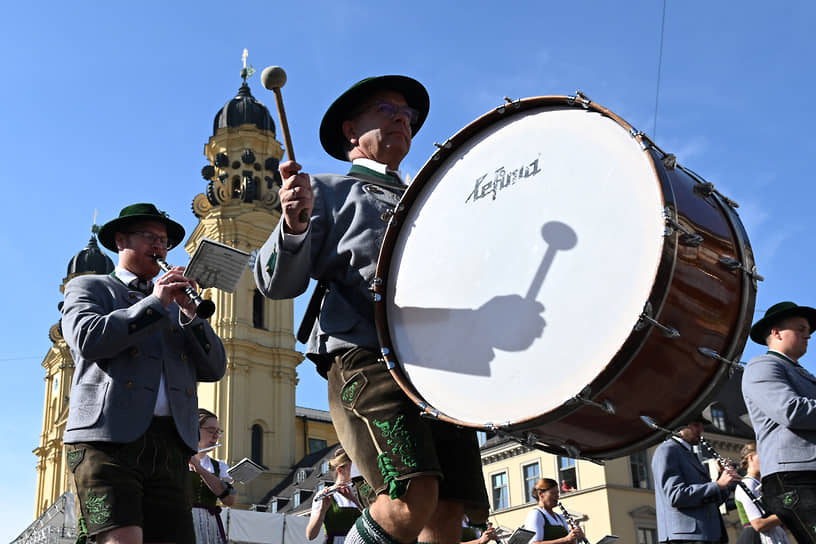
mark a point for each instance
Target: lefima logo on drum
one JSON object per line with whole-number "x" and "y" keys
{"x": 502, "y": 178}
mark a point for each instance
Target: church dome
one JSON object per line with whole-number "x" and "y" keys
{"x": 243, "y": 110}
{"x": 90, "y": 260}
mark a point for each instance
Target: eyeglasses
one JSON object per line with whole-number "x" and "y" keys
{"x": 543, "y": 489}
{"x": 392, "y": 110}
{"x": 152, "y": 239}
{"x": 214, "y": 430}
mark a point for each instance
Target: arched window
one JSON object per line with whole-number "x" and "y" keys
{"x": 258, "y": 310}
{"x": 257, "y": 444}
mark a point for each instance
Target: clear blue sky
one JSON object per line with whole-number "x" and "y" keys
{"x": 106, "y": 104}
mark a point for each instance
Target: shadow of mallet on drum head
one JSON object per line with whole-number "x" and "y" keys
{"x": 450, "y": 340}
{"x": 559, "y": 237}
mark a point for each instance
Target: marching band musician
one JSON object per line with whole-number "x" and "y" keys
{"x": 686, "y": 500}
{"x": 781, "y": 400}
{"x": 755, "y": 528}
{"x": 210, "y": 482}
{"x": 338, "y": 511}
{"x": 548, "y": 525}
{"x": 139, "y": 350}
{"x": 426, "y": 474}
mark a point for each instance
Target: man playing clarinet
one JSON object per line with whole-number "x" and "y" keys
{"x": 686, "y": 500}
{"x": 139, "y": 350}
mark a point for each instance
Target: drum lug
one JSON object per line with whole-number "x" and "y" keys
{"x": 704, "y": 189}
{"x": 646, "y": 317}
{"x": 580, "y": 98}
{"x": 687, "y": 238}
{"x": 714, "y": 355}
{"x": 732, "y": 264}
{"x": 604, "y": 405}
{"x": 669, "y": 161}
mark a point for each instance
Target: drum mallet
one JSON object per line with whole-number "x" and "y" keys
{"x": 273, "y": 78}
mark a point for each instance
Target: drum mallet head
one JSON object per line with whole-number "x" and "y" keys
{"x": 273, "y": 77}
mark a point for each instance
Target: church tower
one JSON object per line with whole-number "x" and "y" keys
{"x": 52, "y": 477}
{"x": 255, "y": 401}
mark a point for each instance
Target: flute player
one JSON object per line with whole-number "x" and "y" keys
{"x": 139, "y": 350}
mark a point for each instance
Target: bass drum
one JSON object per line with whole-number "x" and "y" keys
{"x": 553, "y": 275}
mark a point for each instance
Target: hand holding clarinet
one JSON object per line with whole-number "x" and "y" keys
{"x": 576, "y": 532}
{"x": 173, "y": 286}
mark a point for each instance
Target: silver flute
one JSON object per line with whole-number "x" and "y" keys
{"x": 331, "y": 490}
{"x": 571, "y": 521}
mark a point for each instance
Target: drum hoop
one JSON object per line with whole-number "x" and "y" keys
{"x": 630, "y": 346}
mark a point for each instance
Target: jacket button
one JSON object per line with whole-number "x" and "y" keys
{"x": 133, "y": 326}
{"x": 183, "y": 356}
{"x": 134, "y": 351}
{"x": 189, "y": 392}
{"x": 149, "y": 311}
{"x": 129, "y": 384}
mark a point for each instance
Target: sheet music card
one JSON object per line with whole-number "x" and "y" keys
{"x": 217, "y": 265}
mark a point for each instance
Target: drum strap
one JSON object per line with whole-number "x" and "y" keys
{"x": 312, "y": 311}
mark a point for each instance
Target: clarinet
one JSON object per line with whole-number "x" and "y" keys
{"x": 571, "y": 521}
{"x": 725, "y": 464}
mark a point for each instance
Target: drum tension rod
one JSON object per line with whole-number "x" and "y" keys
{"x": 669, "y": 160}
{"x": 509, "y": 103}
{"x": 687, "y": 238}
{"x": 732, "y": 264}
{"x": 374, "y": 286}
{"x": 708, "y": 352}
{"x": 604, "y": 405}
{"x": 581, "y": 98}
{"x": 646, "y": 316}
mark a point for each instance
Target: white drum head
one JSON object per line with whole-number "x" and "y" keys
{"x": 523, "y": 264}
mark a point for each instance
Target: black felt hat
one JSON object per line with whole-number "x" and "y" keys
{"x": 139, "y": 212}
{"x": 331, "y": 128}
{"x": 778, "y": 312}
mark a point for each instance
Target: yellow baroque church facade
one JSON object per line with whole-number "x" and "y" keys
{"x": 255, "y": 401}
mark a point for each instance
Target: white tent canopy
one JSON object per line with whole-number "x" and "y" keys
{"x": 247, "y": 527}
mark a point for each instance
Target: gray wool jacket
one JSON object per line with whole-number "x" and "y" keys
{"x": 781, "y": 400}
{"x": 122, "y": 342}
{"x": 340, "y": 248}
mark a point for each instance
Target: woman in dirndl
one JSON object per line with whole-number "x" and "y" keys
{"x": 337, "y": 511}
{"x": 755, "y": 528}
{"x": 210, "y": 483}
